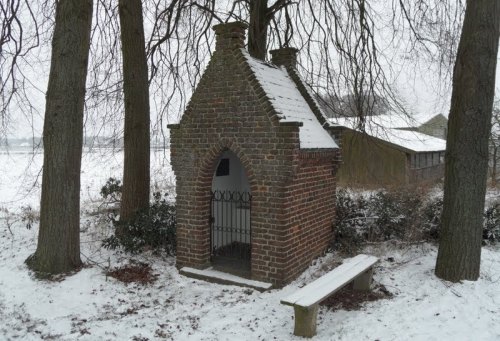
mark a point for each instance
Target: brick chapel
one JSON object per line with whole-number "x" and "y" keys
{"x": 255, "y": 161}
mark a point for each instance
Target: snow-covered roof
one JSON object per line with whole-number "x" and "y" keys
{"x": 387, "y": 121}
{"x": 412, "y": 140}
{"x": 290, "y": 105}
{"x": 407, "y": 139}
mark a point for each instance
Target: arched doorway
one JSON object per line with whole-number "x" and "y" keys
{"x": 230, "y": 218}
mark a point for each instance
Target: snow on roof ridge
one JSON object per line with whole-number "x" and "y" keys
{"x": 289, "y": 103}
{"x": 310, "y": 93}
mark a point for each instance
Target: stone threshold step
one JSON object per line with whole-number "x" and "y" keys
{"x": 214, "y": 276}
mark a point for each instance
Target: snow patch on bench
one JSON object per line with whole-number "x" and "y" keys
{"x": 328, "y": 284}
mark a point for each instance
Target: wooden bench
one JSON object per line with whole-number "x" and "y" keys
{"x": 305, "y": 302}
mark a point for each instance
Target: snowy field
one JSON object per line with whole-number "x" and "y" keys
{"x": 20, "y": 175}
{"x": 92, "y": 306}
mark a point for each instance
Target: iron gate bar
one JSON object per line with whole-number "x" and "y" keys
{"x": 230, "y": 218}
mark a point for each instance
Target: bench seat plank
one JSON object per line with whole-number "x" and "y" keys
{"x": 328, "y": 284}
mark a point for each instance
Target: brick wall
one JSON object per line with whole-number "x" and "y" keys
{"x": 310, "y": 210}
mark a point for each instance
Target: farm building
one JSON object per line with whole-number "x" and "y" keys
{"x": 255, "y": 164}
{"x": 390, "y": 152}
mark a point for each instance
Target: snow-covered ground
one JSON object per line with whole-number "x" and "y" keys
{"x": 92, "y": 306}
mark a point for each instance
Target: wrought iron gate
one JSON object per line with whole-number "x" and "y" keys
{"x": 230, "y": 232}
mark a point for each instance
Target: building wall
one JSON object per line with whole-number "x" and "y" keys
{"x": 369, "y": 162}
{"x": 425, "y": 167}
{"x": 310, "y": 210}
{"x": 427, "y": 175}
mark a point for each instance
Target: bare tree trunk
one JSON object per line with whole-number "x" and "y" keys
{"x": 58, "y": 248}
{"x": 469, "y": 126}
{"x": 257, "y": 31}
{"x": 135, "y": 191}
{"x": 494, "y": 168}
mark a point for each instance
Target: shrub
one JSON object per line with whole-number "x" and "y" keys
{"x": 491, "y": 227}
{"x": 112, "y": 190}
{"x": 382, "y": 216}
{"x": 152, "y": 228}
{"x": 350, "y": 223}
{"x": 29, "y": 216}
{"x": 403, "y": 216}
{"x": 432, "y": 218}
{"x": 397, "y": 214}
{"x": 432, "y": 221}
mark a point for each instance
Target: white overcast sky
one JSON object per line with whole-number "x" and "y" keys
{"x": 420, "y": 88}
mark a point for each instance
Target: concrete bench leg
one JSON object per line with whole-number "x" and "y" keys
{"x": 363, "y": 281}
{"x": 305, "y": 320}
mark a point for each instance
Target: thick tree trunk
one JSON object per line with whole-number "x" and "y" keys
{"x": 58, "y": 248}
{"x": 135, "y": 191}
{"x": 257, "y": 30}
{"x": 467, "y": 143}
